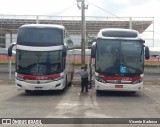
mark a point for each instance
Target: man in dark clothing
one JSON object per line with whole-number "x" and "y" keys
{"x": 84, "y": 78}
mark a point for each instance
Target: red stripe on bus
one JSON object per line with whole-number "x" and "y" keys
{"x": 38, "y": 77}
{"x": 123, "y": 78}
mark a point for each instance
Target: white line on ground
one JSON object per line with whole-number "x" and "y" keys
{"x": 148, "y": 89}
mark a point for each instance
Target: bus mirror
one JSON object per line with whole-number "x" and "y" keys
{"x": 64, "y": 52}
{"x": 10, "y": 49}
{"x": 93, "y": 51}
{"x": 147, "y": 54}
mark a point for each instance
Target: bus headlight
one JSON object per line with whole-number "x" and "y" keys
{"x": 59, "y": 78}
{"x": 138, "y": 80}
{"x": 100, "y": 79}
{"x": 20, "y": 78}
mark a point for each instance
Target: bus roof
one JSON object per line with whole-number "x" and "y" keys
{"x": 118, "y": 33}
{"x": 43, "y": 25}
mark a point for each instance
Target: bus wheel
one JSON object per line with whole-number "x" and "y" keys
{"x": 28, "y": 91}
{"x": 133, "y": 92}
{"x": 98, "y": 91}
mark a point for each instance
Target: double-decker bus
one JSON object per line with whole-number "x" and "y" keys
{"x": 44, "y": 57}
{"x": 119, "y": 60}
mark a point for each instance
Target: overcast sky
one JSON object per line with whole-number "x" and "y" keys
{"x": 120, "y": 8}
{"x": 51, "y": 7}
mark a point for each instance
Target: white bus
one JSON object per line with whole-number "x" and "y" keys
{"x": 119, "y": 60}
{"x": 44, "y": 57}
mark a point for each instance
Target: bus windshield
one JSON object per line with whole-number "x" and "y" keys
{"x": 119, "y": 57}
{"x": 39, "y": 62}
{"x": 40, "y": 36}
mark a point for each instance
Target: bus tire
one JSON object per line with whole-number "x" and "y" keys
{"x": 133, "y": 92}
{"x": 28, "y": 91}
{"x": 98, "y": 91}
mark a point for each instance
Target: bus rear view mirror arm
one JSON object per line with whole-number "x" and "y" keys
{"x": 93, "y": 50}
{"x": 147, "y": 54}
{"x": 64, "y": 51}
{"x": 10, "y": 49}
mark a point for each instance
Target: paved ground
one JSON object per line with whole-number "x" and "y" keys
{"x": 73, "y": 104}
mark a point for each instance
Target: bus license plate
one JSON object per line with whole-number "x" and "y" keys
{"x": 118, "y": 86}
{"x": 38, "y": 88}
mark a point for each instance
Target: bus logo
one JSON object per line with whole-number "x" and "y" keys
{"x": 38, "y": 82}
{"x": 6, "y": 121}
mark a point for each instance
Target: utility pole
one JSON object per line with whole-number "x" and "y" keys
{"x": 83, "y": 30}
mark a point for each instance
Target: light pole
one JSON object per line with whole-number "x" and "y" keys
{"x": 83, "y": 30}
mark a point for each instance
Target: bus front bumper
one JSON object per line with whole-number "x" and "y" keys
{"x": 118, "y": 87}
{"x": 54, "y": 85}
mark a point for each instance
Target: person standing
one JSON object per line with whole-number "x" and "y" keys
{"x": 84, "y": 78}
